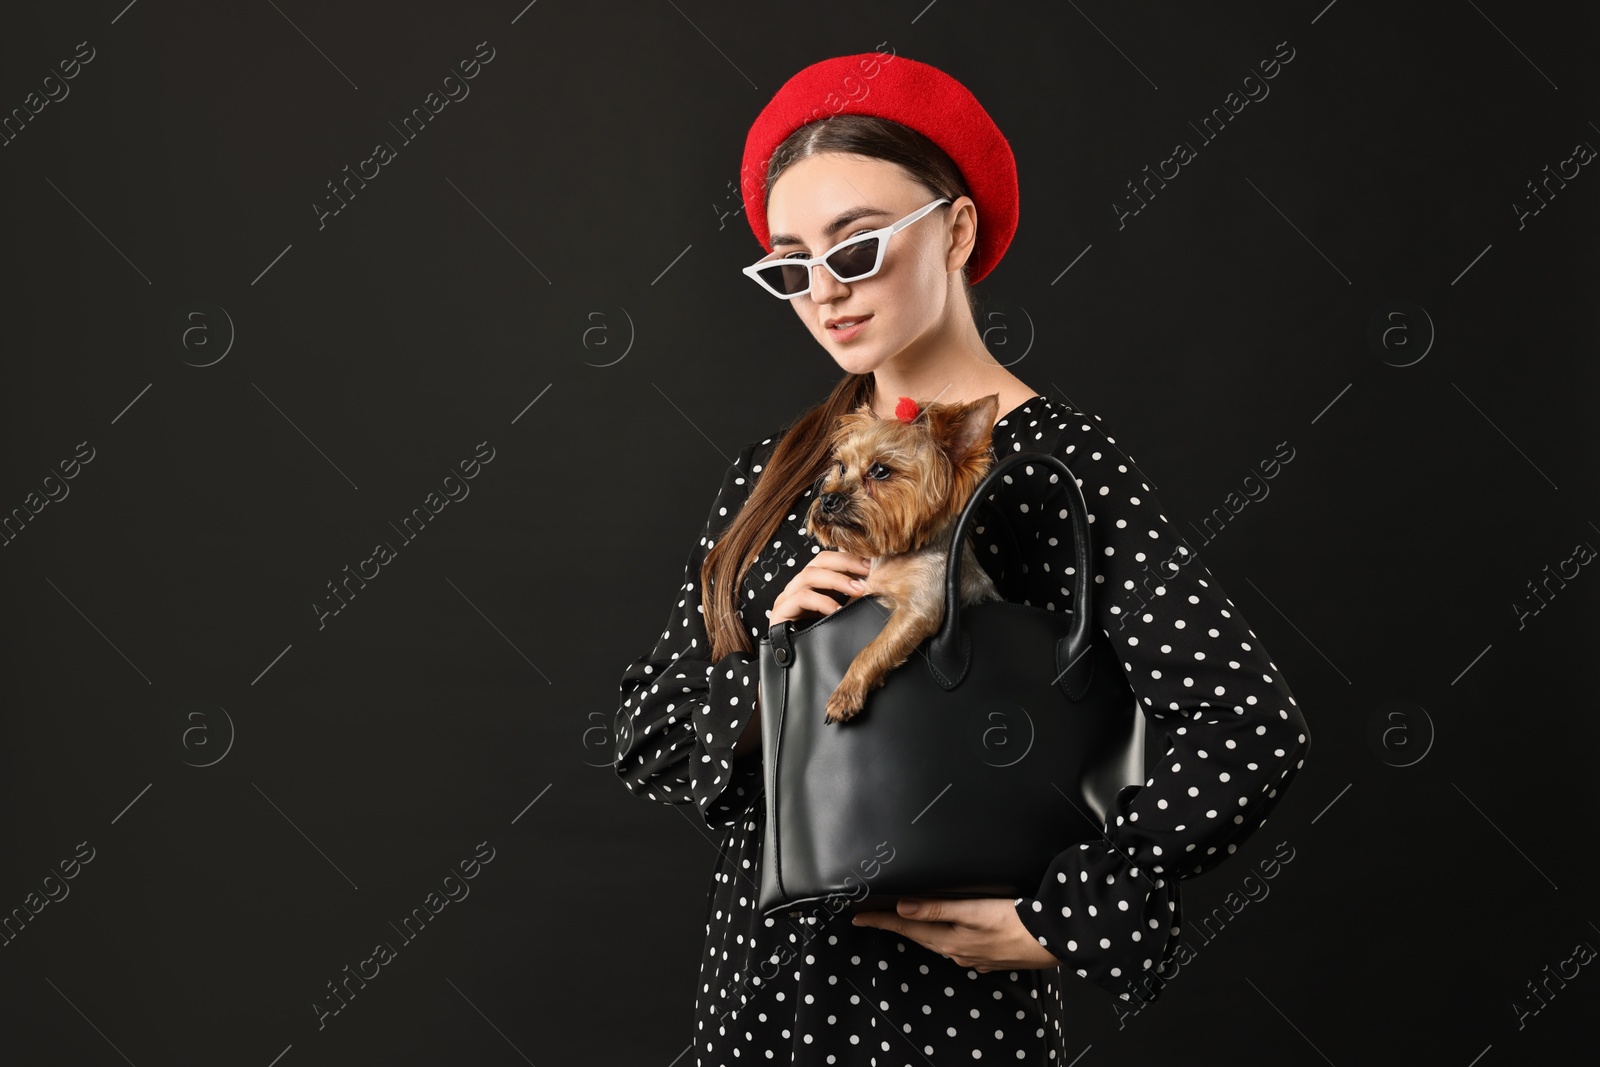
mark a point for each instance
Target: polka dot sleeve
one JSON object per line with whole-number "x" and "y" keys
{"x": 1214, "y": 702}
{"x": 681, "y": 713}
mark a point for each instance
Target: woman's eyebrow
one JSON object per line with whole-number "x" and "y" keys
{"x": 843, "y": 219}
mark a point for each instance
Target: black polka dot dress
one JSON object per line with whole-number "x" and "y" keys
{"x": 810, "y": 988}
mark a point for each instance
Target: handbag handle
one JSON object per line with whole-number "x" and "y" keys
{"x": 950, "y": 651}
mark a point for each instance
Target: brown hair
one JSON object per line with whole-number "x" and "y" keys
{"x": 800, "y": 455}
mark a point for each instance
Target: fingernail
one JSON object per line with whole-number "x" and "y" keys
{"x": 909, "y": 906}
{"x": 857, "y": 582}
{"x": 855, "y": 920}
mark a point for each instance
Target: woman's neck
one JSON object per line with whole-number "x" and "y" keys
{"x": 954, "y": 367}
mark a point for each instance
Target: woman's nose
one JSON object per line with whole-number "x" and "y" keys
{"x": 825, "y": 288}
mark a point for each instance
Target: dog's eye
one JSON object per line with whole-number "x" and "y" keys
{"x": 878, "y": 471}
{"x": 841, "y": 468}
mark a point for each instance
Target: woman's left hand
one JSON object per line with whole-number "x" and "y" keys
{"x": 983, "y": 933}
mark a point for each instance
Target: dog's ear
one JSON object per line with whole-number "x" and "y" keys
{"x": 965, "y": 429}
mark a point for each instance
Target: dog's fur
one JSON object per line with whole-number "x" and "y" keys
{"x": 903, "y": 520}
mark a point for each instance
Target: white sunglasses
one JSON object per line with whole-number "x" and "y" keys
{"x": 849, "y": 261}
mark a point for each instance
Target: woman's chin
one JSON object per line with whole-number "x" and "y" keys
{"x": 853, "y": 358}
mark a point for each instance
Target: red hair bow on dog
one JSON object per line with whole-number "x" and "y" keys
{"x": 906, "y": 409}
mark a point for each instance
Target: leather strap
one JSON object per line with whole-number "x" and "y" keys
{"x": 949, "y": 651}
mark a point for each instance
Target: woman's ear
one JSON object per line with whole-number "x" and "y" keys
{"x": 963, "y": 232}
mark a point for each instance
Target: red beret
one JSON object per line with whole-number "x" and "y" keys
{"x": 913, "y": 94}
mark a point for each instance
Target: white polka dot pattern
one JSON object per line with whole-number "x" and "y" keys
{"x": 1206, "y": 685}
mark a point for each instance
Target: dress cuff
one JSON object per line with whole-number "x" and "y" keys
{"x": 1105, "y": 919}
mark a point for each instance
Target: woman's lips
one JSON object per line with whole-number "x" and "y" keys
{"x": 845, "y": 333}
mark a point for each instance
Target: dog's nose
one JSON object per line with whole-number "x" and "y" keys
{"x": 831, "y": 502}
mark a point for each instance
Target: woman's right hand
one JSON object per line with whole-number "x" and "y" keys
{"x": 843, "y": 572}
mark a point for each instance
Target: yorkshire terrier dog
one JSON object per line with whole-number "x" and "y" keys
{"x": 893, "y": 494}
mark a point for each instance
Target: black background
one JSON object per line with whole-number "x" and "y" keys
{"x": 580, "y": 204}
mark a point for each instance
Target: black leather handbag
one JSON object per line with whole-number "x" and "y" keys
{"x": 1001, "y": 742}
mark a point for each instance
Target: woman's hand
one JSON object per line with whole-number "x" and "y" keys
{"x": 984, "y": 934}
{"x": 828, "y": 569}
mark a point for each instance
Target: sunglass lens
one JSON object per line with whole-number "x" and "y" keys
{"x": 785, "y": 278}
{"x": 855, "y": 261}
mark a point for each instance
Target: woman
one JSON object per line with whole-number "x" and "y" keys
{"x": 873, "y": 143}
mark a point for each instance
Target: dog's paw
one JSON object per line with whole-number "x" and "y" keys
{"x": 845, "y": 702}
